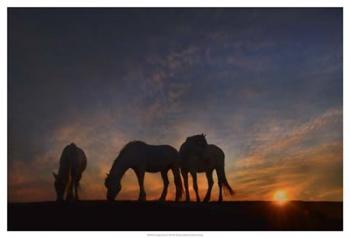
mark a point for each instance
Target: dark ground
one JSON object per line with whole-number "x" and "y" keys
{"x": 171, "y": 216}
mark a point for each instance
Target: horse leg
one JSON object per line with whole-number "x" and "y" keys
{"x": 185, "y": 176}
{"x": 195, "y": 185}
{"x": 178, "y": 183}
{"x": 140, "y": 177}
{"x": 70, "y": 191}
{"x": 76, "y": 186}
{"x": 209, "y": 175}
{"x": 218, "y": 173}
{"x": 166, "y": 184}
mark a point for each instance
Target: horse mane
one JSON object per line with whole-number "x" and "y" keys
{"x": 193, "y": 145}
{"x": 122, "y": 151}
{"x": 193, "y": 140}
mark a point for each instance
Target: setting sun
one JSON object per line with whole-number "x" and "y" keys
{"x": 280, "y": 197}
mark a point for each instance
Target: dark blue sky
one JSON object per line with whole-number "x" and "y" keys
{"x": 251, "y": 79}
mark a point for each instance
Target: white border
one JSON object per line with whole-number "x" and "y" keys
{"x": 162, "y": 3}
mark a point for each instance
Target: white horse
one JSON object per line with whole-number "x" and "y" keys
{"x": 198, "y": 157}
{"x": 142, "y": 158}
{"x": 72, "y": 165}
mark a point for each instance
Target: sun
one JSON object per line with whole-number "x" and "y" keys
{"x": 280, "y": 196}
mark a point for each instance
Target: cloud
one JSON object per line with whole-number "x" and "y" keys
{"x": 279, "y": 139}
{"x": 256, "y": 63}
{"x": 255, "y": 175}
{"x": 31, "y": 181}
{"x": 301, "y": 174}
{"x": 282, "y": 160}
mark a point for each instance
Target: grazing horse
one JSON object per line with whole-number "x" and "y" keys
{"x": 196, "y": 157}
{"x": 142, "y": 158}
{"x": 72, "y": 165}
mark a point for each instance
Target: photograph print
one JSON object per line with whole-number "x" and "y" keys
{"x": 175, "y": 119}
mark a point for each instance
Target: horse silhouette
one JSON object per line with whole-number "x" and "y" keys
{"x": 72, "y": 164}
{"x": 199, "y": 156}
{"x": 142, "y": 158}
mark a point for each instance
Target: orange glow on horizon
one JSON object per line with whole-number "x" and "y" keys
{"x": 281, "y": 197}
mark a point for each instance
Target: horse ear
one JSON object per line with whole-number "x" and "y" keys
{"x": 54, "y": 175}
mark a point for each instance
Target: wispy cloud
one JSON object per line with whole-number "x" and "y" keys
{"x": 282, "y": 161}
{"x": 281, "y": 139}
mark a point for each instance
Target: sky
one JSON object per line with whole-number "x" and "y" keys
{"x": 265, "y": 85}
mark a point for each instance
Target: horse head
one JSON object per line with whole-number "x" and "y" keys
{"x": 60, "y": 186}
{"x": 195, "y": 145}
{"x": 198, "y": 140}
{"x": 113, "y": 187}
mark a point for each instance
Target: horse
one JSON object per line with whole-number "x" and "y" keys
{"x": 142, "y": 158}
{"x": 72, "y": 164}
{"x": 198, "y": 156}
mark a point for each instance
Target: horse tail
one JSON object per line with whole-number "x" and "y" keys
{"x": 223, "y": 180}
{"x": 178, "y": 183}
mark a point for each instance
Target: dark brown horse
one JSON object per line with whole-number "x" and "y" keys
{"x": 72, "y": 165}
{"x": 141, "y": 157}
{"x": 199, "y": 157}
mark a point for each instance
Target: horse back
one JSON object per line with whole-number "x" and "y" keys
{"x": 80, "y": 160}
{"x": 161, "y": 151}
{"x": 214, "y": 153}
{"x": 73, "y": 159}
